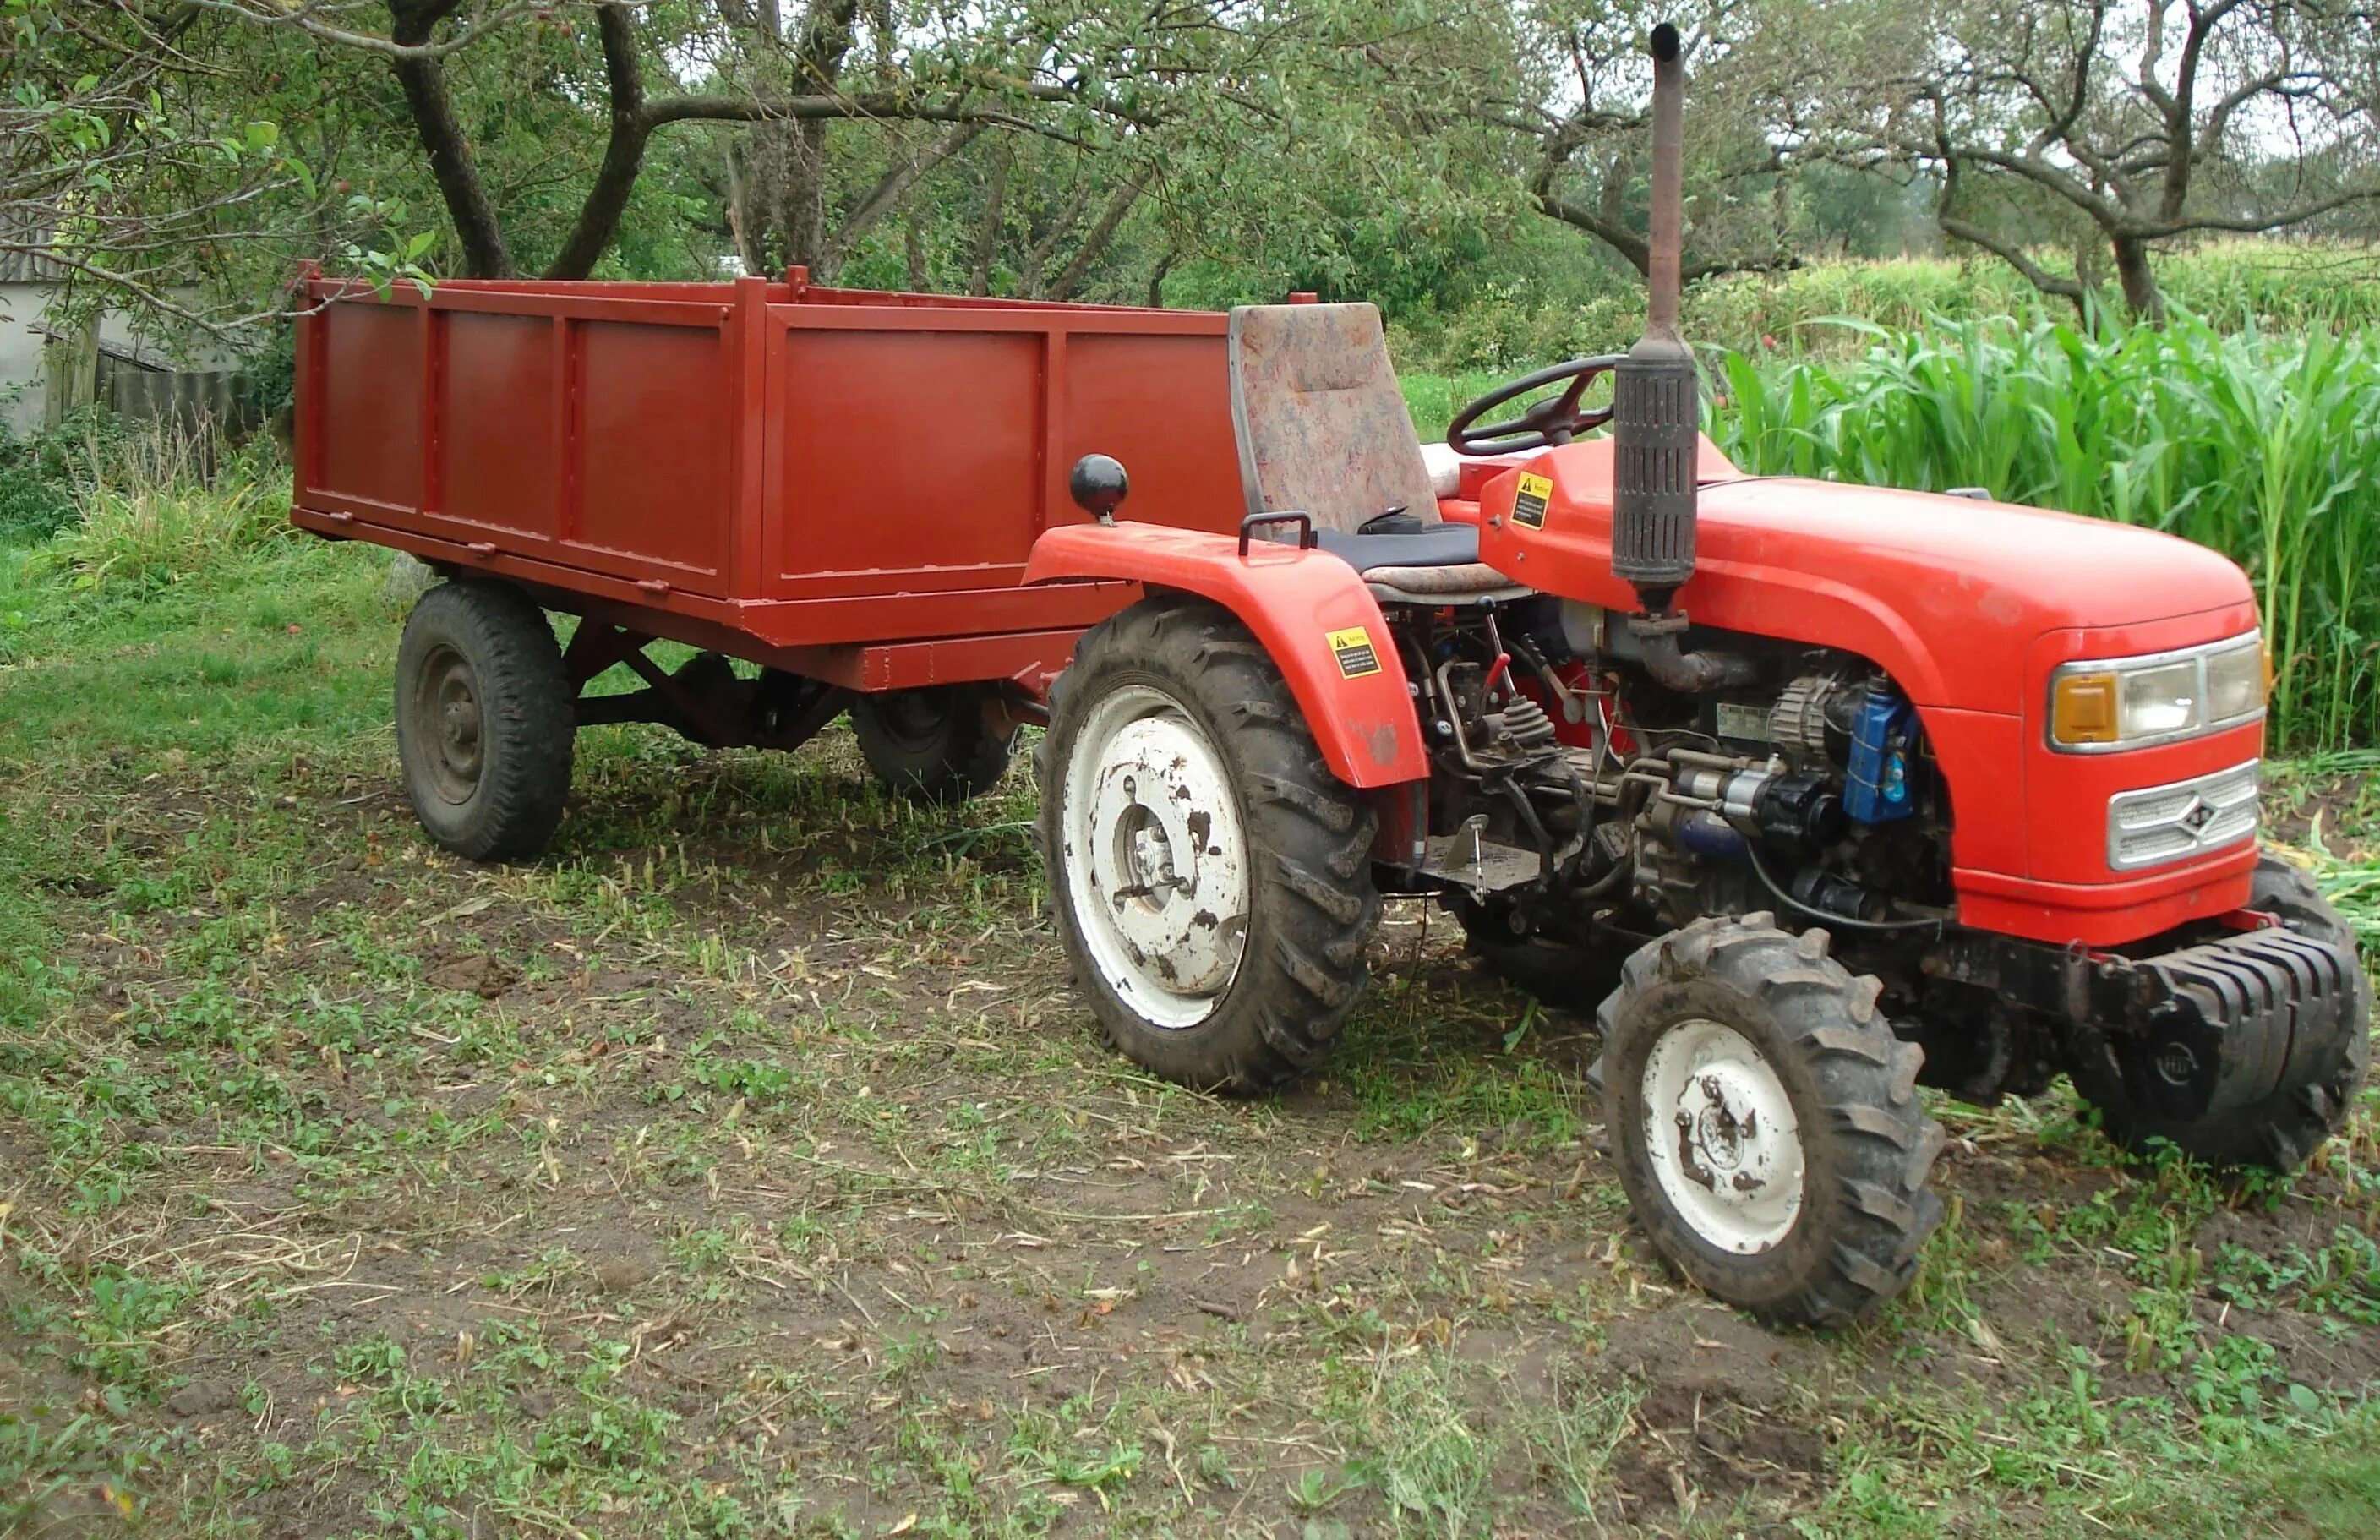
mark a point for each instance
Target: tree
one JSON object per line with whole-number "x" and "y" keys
{"x": 2152, "y": 121}
{"x": 1585, "y": 132}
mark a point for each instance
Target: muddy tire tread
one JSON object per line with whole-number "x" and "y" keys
{"x": 1312, "y": 836}
{"x": 1869, "y": 1149}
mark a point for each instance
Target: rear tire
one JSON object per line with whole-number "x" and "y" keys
{"x": 485, "y": 720}
{"x": 932, "y": 742}
{"x": 2280, "y": 1133}
{"x": 1765, "y": 1120}
{"x": 1210, "y": 877}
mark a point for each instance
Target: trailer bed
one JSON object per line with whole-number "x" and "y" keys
{"x": 840, "y": 484}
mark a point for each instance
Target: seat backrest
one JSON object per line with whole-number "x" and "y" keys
{"x": 1321, "y": 424}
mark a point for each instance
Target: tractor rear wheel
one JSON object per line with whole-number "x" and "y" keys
{"x": 934, "y": 742}
{"x": 1765, "y": 1121}
{"x": 1210, "y": 877}
{"x": 2281, "y": 1131}
{"x": 485, "y": 720}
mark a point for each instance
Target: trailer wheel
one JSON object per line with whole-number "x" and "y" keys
{"x": 932, "y": 742}
{"x": 2281, "y": 1131}
{"x": 1210, "y": 877}
{"x": 484, "y": 721}
{"x": 1560, "y": 973}
{"x": 1765, "y": 1121}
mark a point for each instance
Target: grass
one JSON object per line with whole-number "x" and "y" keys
{"x": 748, "y": 1167}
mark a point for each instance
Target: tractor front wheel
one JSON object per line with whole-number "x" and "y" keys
{"x": 1210, "y": 879}
{"x": 1765, "y": 1123}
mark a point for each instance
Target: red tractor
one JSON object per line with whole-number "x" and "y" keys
{"x": 1837, "y": 791}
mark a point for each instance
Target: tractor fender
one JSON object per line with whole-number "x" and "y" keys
{"x": 1311, "y": 613}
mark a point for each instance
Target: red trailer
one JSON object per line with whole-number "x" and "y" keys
{"x": 838, "y": 485}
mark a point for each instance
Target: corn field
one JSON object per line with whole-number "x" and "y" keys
{"x": 2264, "y": 447}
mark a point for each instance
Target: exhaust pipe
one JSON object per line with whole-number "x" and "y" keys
{"x": 1656, "y": 416}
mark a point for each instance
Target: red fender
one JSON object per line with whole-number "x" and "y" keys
{"x": 1311, "y": 612}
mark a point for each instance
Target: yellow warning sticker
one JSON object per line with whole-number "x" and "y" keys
{"x": 1352, "y": 648}
{"x": 1529, "y": 500}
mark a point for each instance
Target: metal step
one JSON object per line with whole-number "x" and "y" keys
{"x": 1482, "y": 866}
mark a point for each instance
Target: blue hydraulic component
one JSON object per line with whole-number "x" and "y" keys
{"x": 1884, "y": 735}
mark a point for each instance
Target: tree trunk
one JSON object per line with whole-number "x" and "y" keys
{"x": 424, "y": 82}
{"x": 2142, "y": 296}
{"x": 987, "y": 234}
{"x": 624, "y": 152}
{"x": 801, "y": 198}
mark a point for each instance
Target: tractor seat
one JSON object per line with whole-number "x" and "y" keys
{"x": 1322, "y": 428}
{"x": 1441, "y": 545}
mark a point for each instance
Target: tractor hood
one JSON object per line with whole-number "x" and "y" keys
{"x": 1946, "y": 593}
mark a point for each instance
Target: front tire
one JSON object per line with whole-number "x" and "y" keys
{"x": 1765, "y": 1120}
{"x": 485, "y": 720}
{"x": 2281, "y": 1133}
{"x": 1208, "y": 875}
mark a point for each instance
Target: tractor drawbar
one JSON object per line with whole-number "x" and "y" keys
{"x": 1657, "y": 414}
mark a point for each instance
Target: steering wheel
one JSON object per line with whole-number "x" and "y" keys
{"x": 1555, "y": 419}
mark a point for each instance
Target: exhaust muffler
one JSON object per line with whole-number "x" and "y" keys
{"x": 1656, "y": 419}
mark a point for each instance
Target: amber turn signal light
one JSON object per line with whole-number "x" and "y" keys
{"x": 2083, "y": 709}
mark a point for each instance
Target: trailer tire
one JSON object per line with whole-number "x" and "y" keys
{"x": 1240, "y": 975}
{"x": 932, "y": 742}
{"x": 1556, "y": 973}
{"x": 485, "y": 720}
{"x": 2282, "y": 1132}
{"x": 1718, "y": 1033}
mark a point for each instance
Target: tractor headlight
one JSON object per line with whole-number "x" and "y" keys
{"x": 2160, "y": 698}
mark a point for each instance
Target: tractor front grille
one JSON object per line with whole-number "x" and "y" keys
{"x": 2158, "y": 824}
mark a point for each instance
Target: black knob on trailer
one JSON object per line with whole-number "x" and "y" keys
{"x": 1099, "y": 485}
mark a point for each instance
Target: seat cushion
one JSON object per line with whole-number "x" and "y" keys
{"x": 1441, "y": 545}
{"x": 1322, "y": 427}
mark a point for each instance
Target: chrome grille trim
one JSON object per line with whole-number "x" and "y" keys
{"x": 2158, "y": 824}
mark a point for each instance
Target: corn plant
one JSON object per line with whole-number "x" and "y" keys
{"x": 2266, "y": 448}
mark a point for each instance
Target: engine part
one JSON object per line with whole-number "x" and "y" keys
{"x": 1711, "y": 837}
{"x": 1828, "y": 894}
{"x": 1882, "y": 735}
{"x": 1735, "y": 792}
{"x": 1797, "y": 814}
{"x": 1797, "y": 722}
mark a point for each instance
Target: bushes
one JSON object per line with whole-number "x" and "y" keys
{"x": 2265, "y": 448}
{"x": 40, "y": 475}
{"x": 151, "y": 515}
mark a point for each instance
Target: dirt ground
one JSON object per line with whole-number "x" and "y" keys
{"x": 749, "y": 1168}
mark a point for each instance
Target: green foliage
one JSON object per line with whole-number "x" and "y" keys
{"x": 2263, "y": 447}
{"x": 41, "y": 474}
{"x": 151, "y": 515}
{"x": 2277, "y": 285}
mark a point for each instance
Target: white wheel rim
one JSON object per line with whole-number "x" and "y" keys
{"x": 1722, "y": 1137}
{"x": 1155, "y": 862}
